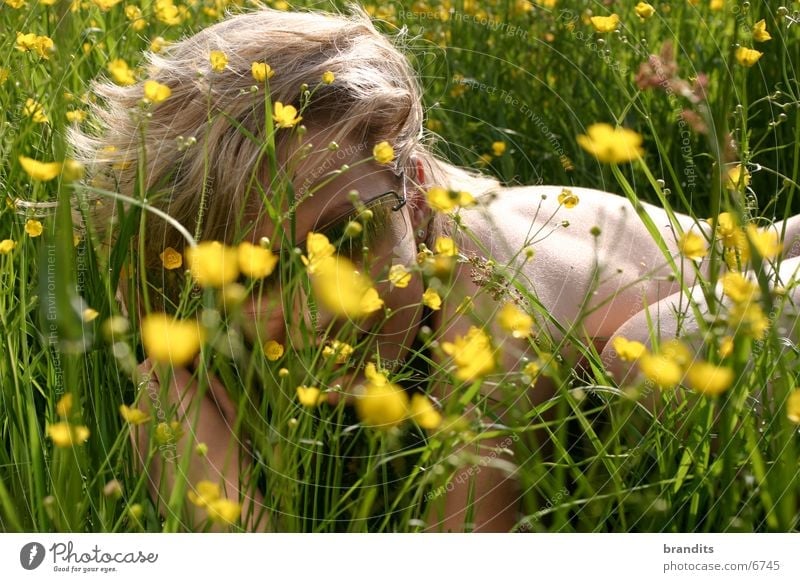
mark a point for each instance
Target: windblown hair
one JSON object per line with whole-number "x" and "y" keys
{"x": 375, "y": 97}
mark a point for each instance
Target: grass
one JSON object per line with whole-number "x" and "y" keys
{"x": 531, "y": 76}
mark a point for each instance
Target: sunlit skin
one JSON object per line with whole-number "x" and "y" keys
{"x": 594, "y": 276}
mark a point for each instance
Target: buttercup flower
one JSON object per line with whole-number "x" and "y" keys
{"x": 515, "y": 321}
{"x": 445, "y": 246}
{"x": 736, "y": 175}
{"x": 309, "y": 396}
{"x": 328, "y": 77}
{"x": 255, "y": 261}
{"x": 644, "y": 10}
{"x": 567, "y": 198}
{"x": 261, "y": 72}
{"x": 628, "y": 350}
{"x": 273, "y": 350}
{"x": 739, "y": 288}
{"x": 424, "y": 413}
{"x": 399, "y": 276}
{"x": 90, "y": 314}
{"x": 383, "y": 152}
{"x": 709, "y": 379}
{"x": 132, "y": 415}
{"x": 432, "y": 299}
{"x": 169, "y": 340}
{"x": 344, "y": 290}
{"x": 611, "y": 145}
{"x": 661, "y": 370}
{"x": 171, "y": 259}
{"x": 6, "y": 246}
{"x": 218, "y": 60}
{"x": 747, "y": 57}
{"x": 443, "y": 200}
{"x": 213, "y": 264}
{"x": 760, "y": 33}
{"x": 605, "y": 23}
{"x": 33, "y": 228}
{"x": 285, "y": 116}
{"x": 121, "y": 72}
{"x": 35, "y": 111}
{"x": 472, "y": 354}
{"x": 498, "y": 148}
{"x": 382, "y": 404}
{"x": 156, "y": 92}
{"x": 65, "y": 435}
{"x": 40, "y": 171}
{"x": 76, "y": 116}
{"x": 64, "y": 405}
{"x": 693, "y": 246}
{"x": 338, "y": 350}
{"x": 765, "y": 241}
{"x": 793, "y": 406}
{"x": 319, "y": 250}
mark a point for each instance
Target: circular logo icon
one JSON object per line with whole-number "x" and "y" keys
{"x": 31, "y": 555}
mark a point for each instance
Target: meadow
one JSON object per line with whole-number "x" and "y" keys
{"x": 512, "y": 88}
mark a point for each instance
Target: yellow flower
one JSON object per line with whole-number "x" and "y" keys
{"x": 273, "y": 350}
{"x": 739, "y": 288}
{"x": 156, "y": 92}
{"x": 105, "y": 5}
{"x": 6, "y": 246}
{"x": 515, "y": 321}
{"x": 285, "y": 116}
{"x": 644, "y": 10}
{"x": 382, "y": 404}
{"x": 729, "y": 232}
{"x": 340, "y": 351}
{"x": 3, "y": 75}
{"x": 342, "y": 289}
{"x": 611, "y": 145}
{"x": 677, "y": 351}
{"x": 16, "y": 4}
{"x": 443, "y": 200}
{"x": 693, "y": 246}
{"x": 717, "y": 5}
{"x": 661, "y": 370}
{"x": 628, "y": 350}
{"x": 531, "y": 369}
{"x": 432, "y": 299}
{"x": 171, "y": 259}
{"x": 424, "y": 413}
{"x": 309, "y": 396}
{"x": 42, "y": 45}
{"x": 35, "y": 111}
{"x": 132, "y": 415}
{"x": 218, "y": 61}
{"x": 33, "y": 227}
{"x": 765, "y": 241}
{"x": 760, "y": 33}
{"x": 213, "y": 264}
{"x": 605, "y": 23}
{"x": 752, "y": 317}
{"x": 498, "y": 148}
{"x": 40, "y": 171}
{"x": 205, "y": 492}
{"x": 735, "y": 175}
{"x": 445, "y": 246}
{"x": 255, "y": 261}
{"x": 90, "y": 314}
{"x": 169, "y": 340}
{"x": 725, "y": 346}
{"x": 76, "y": 116}
{"x": 261, "y": 71}
{"x": 158, "y": 44}
{"x": 747, "y": 57}
{"x": 167, "y": 12}
{"x": 65, "y": 435}
{"x": 399, "y": 276}
{"x": 709, "y": 379}
{"x": 568, "y": 198}
{"x": 383, "y": 152}
{"x": 224, "y": 511}
{"x": 64, "y": 405}
{"x": 472, "y": 354}
{"x": 793, "y": 406}
{"x": 328, "y": 77}
{"x": 121, "y": 72}
{"x": 168, "y": 433}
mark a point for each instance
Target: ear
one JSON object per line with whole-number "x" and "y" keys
{"x": 419, "y": 210}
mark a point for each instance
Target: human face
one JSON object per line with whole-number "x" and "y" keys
{"x": 387, "y": 239}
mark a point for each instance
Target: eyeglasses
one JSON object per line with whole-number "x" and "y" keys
{"x": 381, "y": 207}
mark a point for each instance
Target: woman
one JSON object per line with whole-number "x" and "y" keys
{"x": 585, "y": 255}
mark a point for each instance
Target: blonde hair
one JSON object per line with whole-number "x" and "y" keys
{"x": 375, "y": 96}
